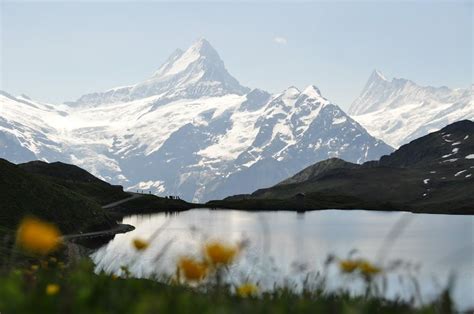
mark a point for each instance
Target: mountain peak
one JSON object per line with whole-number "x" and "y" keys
{"x": 180, "y": 60}
{"x": 196, "y": 72}
{"x": 201, "y": 43}
{"x": 377, "y": 76}
{"x": 374, "y": 90}
{"x": 203, "y": 48}
{"x": 312, "y": 92}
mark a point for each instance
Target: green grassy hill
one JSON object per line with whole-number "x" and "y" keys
{"x": 77, "y": 180}
{"x": 23, "y": 193}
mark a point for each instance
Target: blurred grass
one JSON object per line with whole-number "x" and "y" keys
{"x": 82, "y": 291}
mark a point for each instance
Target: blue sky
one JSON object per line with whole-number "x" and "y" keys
{"x": 58, "y": 51}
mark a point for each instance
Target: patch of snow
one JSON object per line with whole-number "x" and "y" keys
{"x": 470, "y": 156}
{"x": 339, "y": 120}
{"x": 460, "y": 172}
{"x": 426, "y": 181}
{"x": 455, "y": 143}
{"x": 451, "y": 160}
{"x": 447, "y": 141}
{"x": 251, "y": 162}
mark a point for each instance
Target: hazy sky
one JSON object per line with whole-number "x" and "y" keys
{"x": 58, "y": 51}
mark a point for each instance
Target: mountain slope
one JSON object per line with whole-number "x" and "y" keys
{"x": 190, "y": 130}
{"x": 27, "y": 129}
{"x": 399, "y": 110}
{"x": 431, "y": 174}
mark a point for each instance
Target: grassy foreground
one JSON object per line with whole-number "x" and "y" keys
{"x": 38, "y": 274}
{"x": 50, "y": 289}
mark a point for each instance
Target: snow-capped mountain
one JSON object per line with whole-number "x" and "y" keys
{"x": 399, "y": 111}
{"x": 194, "y": 73}
{"x": 190, "y": 130}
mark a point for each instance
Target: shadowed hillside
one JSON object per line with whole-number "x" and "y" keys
{"x": 23, "y": 193}
{"x": 76, "y": 179}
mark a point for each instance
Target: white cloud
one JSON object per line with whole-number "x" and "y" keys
{"x": 280, "y": 40}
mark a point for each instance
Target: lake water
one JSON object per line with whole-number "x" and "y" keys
{"x": 286, "y": 246}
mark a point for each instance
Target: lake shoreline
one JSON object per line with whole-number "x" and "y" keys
{"x": 331, "y": 202}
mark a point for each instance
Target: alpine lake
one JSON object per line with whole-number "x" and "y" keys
{"x": 419, "y": 253}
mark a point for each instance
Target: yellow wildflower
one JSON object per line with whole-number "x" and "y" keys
{"x": 37, "y": 236}
{"x": 140, "y": 244}
{"x": 220, "y": 254}
{"x": 192, "y": 269}
{"x": 247, "y": 290}
{"x": 34, "y": 267}
{"x": 348, "y": 266}
{"x": 368, "y": 269}
{"x": 365, "y": 267}
{"x": 52, "y": 289}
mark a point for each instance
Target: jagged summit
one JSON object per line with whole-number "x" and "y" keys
{"x": 312, "y": 92}
{"x": 370, "y": 96}
{"x": 377, "y": 75}
{"x": 180, "y": 60}
{"x": 292, "y": 95}
{"x": 400, "y": 110}
{"x": 197, "y": 72}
